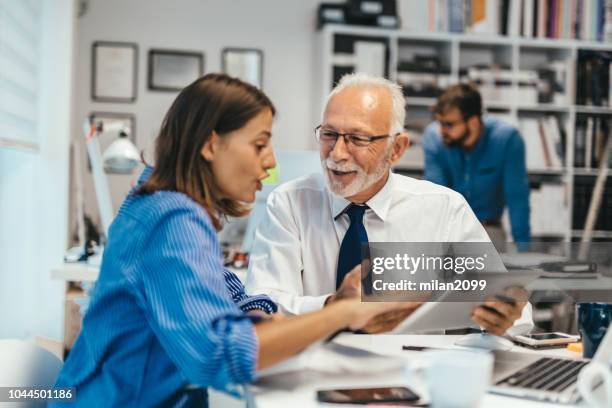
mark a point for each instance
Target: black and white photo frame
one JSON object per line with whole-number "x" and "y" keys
{"x": 172, "y": 70}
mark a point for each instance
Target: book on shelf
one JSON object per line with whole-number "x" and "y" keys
{"x": 568, "y": 19}
{"x": 527, "y": 21}
{"x": 593, "y": 78}
{"x": 544, "y": 141}
{"x": 583, "y": 190}
{"x": 590, "y": 138}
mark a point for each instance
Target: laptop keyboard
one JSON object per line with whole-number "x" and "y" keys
{"x": 546, "y": 374}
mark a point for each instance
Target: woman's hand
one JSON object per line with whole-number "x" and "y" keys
{"x": 349, "y": 288}
{"x": 388, "y": 321}
{"x": 383, "y": 315}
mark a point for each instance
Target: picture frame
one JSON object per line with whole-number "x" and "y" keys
{"x": 112, "y": 119}
{"x": 114, "y": 71}
{"x": 244, "y": 63}
{"x": 172, "y": 70}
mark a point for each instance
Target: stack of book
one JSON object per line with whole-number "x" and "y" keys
{"x": 569, "y": 19}
{"x": 423, "y": 76}
{"x": 495, "y": 83}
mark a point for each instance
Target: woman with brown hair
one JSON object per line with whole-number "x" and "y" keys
{"x": 166, "y": 320}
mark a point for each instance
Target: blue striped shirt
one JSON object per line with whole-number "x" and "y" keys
{"x": 164, "y": 312}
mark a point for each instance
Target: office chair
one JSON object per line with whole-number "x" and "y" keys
{"x": 24, "y": 364}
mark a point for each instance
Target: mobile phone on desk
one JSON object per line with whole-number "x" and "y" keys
{"x": 546, "y": 339}
{"x": 368, "y": 395}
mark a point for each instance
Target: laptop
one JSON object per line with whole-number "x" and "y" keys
{"x": 550, "y": 379}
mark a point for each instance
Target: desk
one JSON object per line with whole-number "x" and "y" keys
{"x": 75, "y": 272}
{"x": 300, "y": 390}
{"x": 83, "y": 272}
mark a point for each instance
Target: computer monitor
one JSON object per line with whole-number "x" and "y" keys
{"x": 290, "y": 165}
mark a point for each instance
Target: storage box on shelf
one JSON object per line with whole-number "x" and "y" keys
{"x": 531, "y": 82}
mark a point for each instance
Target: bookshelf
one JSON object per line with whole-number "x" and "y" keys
{"x": 460, "y": 57}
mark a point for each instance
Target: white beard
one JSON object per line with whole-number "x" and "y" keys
{"x": 362, "y": 180}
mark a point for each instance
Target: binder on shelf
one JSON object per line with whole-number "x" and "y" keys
{"x": 380, "y": 13}
{"x": 331, "y": 13}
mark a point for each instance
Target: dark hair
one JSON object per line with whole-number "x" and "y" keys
{"x": 464, "y": 97}
{"x": 214, "y": 102}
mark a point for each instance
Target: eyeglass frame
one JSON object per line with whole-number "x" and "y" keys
{"x": 348, "y": 141}
{"x": 449, "y": 125}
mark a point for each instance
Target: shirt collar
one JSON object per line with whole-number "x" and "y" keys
{"x": 380, "y": 203}
{"x": 146, "y": 173}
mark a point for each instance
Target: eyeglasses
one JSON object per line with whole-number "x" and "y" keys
{"x": 329, "y": 138}
{"x": 449, "y": 125}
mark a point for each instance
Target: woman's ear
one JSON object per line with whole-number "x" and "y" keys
{"x": 210, "y": 147}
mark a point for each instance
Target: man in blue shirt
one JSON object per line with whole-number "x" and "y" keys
{"x": 481, "y": 158}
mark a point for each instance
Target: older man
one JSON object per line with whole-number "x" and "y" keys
{"x": 312, "y": 233}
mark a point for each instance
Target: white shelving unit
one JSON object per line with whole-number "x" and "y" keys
{"x": 457, "y": 51}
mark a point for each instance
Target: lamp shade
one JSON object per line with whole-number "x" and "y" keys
{"x": 121, "y": 157}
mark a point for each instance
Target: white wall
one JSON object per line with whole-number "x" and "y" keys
{"x": 34, "y": 193}
{"x": 283, "y": 29}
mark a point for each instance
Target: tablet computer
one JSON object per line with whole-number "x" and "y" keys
{"x": 451, "y": 313}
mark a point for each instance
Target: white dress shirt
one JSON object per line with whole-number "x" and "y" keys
{"x": 297, "y": 243}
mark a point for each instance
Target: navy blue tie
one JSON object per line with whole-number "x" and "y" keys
{"x": 352, "y": 243}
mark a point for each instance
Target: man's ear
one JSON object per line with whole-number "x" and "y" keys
{"x": 400, "y": 144}
{"x": 211, "y": 146}
{"x": 474, "y": 124}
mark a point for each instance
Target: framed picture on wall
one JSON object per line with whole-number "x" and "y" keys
{"x": 114, "y": 71}
{"x": 173, "y": 70}
{"x": 113, "y": 120}
{"x": 243, "y": 63}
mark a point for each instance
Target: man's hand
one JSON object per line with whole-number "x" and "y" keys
{"x": 496, "y": 316}
{"x": 350, "y": 287}
{"x": 389, "y": 320}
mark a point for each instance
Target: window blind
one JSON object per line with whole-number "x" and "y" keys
{"x": 20, "y": 55}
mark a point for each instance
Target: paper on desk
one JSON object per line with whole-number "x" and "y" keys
{"x": 335, "y": 358}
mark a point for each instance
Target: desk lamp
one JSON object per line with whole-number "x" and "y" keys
{"x": 121, "y": 157}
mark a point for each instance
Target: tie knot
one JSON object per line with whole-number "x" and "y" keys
{"x": 355, "y": 212}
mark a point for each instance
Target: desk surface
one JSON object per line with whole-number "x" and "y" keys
{"x": 83, "y": 272}
{"x": 300, "y": 390}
